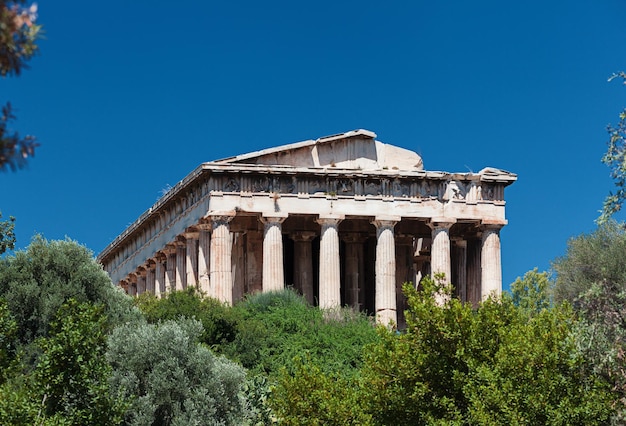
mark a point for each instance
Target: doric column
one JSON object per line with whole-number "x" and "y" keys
{"x": 474, "y": 247}
{"x": 181, "y": 263}
{"x": 354, "y": 275}
{"x": 191, "y": 264}
{"x": 170, "y": 271}
{"x": 132, "y": 284}
{"x": 159, "y": 274}
{"x": 330, "y": 274}
{"x": 150, "y": 275}
{"x": 440, "y": 249}
{"x": 490, "y": 261}
{"x": 385, "y": 300}
{"x": 303, "y": 264}
{"x": 204, "y": 259}
{"x": 273, "y": 271}
{"x": 141, "y": 281}
{"x": 460, "y": 269}
{"x": 440, "y": 262}
{"x": 221, "y": 250}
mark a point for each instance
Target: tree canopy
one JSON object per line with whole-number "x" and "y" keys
{"x": 504, "y": 362}
{"x": 35, "y": 283}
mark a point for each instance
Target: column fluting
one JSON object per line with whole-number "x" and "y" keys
{"x": 170, "y": 271}
{"x": 181, "y": 263}
{"x": 191, "y": 264}
{"x": 330, "y": 273}
{"x": 204, "y": 259}
{"x": 490, "y": 261}
{"x": 440, "y": 262}
{"x": 385, "y": 296}
{"x": 221, "y": 277}
{"x": 273, "y": 270}
{"x": 159, "y": 274}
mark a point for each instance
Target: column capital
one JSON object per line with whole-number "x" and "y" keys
{"x": 271, "y": 218}
{"x": 492, "y": 224}
{"x": 220, "y": 217}
{"x": 169, "y": 249}
{"x": 330, "y": 219}
{"x": 204, "y": 226}
{"x": 385, "y": 221}
{"x": 180, "y": 241}
{"x": 194, "y": 235}
{"x": 159, "y": 256}
{"x": 441, "y": 222}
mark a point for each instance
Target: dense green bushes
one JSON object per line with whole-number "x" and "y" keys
{"x": 74, "y": 350}
{"x": 266, "y": 331}
{"x": 171, "y": 378}
{"x": 501, "y": 363}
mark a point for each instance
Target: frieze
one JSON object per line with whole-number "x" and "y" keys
{"x": 360, "y": 186}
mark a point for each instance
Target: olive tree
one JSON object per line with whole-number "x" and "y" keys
{"x": 35, "y": 283}
{"x": 171, "y": 379}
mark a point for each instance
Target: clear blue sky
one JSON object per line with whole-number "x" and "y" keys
{"x": 127, "y": 97}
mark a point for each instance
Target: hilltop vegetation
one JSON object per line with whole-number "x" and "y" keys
{"x": 75, "y": 350}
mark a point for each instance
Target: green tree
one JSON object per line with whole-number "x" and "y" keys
{"x": 18, "y": 35}
{"x": 591, "y": 259}
{"x": 172, "y": 379}
{"x": 311, "y": 396}
{"x": 69, "y": 384}
{"x": 8, "y": 330}
{"x": 501, "y": 363}
{"x": 73, "y": 373}
{"x": 592, "y": 276}
{"x": 35, "y": 283}
{"x": 532, "y": 293}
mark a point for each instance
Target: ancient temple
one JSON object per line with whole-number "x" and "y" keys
{"x": 344, "y": 219}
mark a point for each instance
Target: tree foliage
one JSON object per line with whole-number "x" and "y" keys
{"x": 8, "y": 330}
{"x": 69, "y": 385}
{"x": 504, "y": 362}
{"x": 18, "y": 35}
{"x": 266, "y": 331}
{"x": 171, "y": 379}
{"x": 73, "y": 373}
{"x": 219, "y": 321}
{"x": 35, "y": 283}
{"x": 311, "y": 396}
{"x": 276, "y": 327}
{"x": 592, "y": 276}
{"x": 591, "y": 259}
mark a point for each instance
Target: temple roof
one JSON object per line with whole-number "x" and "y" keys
{"x": 357, "y": 149}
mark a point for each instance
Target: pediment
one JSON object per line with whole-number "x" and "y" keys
{"x": 357, "y": 150}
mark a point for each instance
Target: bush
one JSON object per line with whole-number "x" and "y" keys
{"x": 218, "y": 320}
{"x": 276, "y": 327}
{"x": 172, "y": 379}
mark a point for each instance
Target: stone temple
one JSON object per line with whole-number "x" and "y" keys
{"x": 344, "y": 220}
